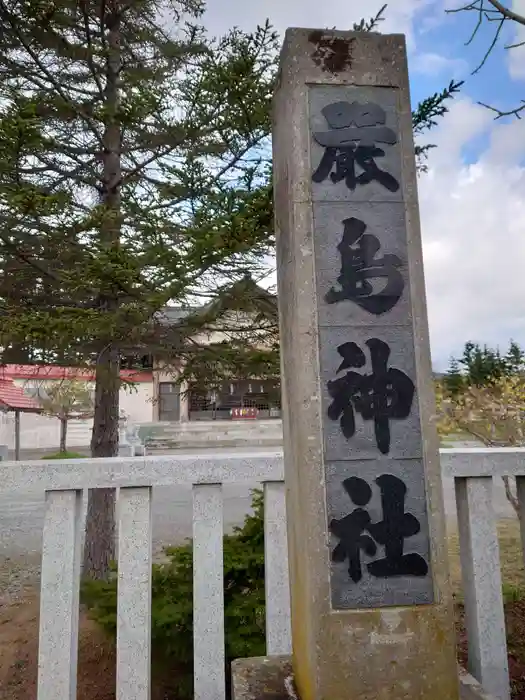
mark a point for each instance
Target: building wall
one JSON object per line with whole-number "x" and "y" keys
{"x": 234, "y": 322}
{"x": 43, "y": 432}
{"x": 138, "y": 403}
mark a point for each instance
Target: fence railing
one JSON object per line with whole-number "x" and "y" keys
{"x": 472, "y": 469}
{"x": 63, "y": 481}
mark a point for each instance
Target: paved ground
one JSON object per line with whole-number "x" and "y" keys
{"x": 21, "y": 517}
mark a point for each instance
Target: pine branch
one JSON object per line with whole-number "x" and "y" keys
{"x": 372, "y": 23}
{"x": 8, "y": 16}
{"x": 89, "y": 39}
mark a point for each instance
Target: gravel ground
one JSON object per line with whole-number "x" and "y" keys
{"x": 18, "y": 577}
{"x": 21, "y": 523}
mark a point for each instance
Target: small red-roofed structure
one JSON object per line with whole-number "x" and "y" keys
{"x": 13, "y": 398}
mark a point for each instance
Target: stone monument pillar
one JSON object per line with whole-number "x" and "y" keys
{"x": 371, "y": 605}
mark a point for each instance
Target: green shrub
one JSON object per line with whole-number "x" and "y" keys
{"x": 512, "y": 593}
{"x": 172, "y": 603}
{"x": 64, "y": 455}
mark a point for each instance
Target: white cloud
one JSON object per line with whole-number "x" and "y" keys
{"x": 434, "y": 64}
{"x": 434, "y": 18}
{"x": 223, "y": 14}
{"x": 473, "y": 214}
{"x": 517, "y": 55}
{"x": 473, "y": 225}
{"x": 464, "y": 122}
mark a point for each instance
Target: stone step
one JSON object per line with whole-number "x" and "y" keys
{"x": 166, "y": 446}
{"x": 208, "y": 430}
{"x": 248, "y": 426}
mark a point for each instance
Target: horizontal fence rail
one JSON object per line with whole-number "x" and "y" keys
{"x": 155, "y": 470}
{"x": 482, "y": 461}
{"x": 473, "y": 470}
{"x": 227, "y": 468}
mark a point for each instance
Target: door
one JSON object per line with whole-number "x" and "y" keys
{"x": 169, "y": 401}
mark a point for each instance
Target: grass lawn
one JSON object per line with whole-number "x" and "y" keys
{"x": 511, "y": 557}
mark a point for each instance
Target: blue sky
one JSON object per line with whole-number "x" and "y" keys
{"x": 472, "y": 199}
{"x": 441, "y": 51}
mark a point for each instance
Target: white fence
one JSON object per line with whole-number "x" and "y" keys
{"x": 63, "y": 481}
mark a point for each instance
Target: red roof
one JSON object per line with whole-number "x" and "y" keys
{"x": 13, "y": 397}
{"x": 9, "y": 372}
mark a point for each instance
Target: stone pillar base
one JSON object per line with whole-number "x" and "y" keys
{"x": 271, "y": 678}
{"x": 126, "y": 450}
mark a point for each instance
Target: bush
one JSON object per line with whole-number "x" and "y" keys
{"x": 172, "y": 603}
{"x": 64, "y": 455}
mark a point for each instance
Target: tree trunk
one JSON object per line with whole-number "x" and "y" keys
{"x": 512, "y": 499}
{"x": 63, "y": 434}
{"x": 99, "y": 549}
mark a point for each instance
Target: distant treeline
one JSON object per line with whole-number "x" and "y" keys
{"x": 482, "y": 365}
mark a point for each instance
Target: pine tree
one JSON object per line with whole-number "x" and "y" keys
{"x": 141, "y": 138}
{"x": 453, "y": 380}
{"x": 133, "y": 173}
{"x": 482, "y": 365}
{"x": 515, "y": 359}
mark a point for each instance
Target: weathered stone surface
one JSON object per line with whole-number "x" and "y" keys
{"x": 320, "y": 97}
{"x": 375, "y": 592}
{"x": 481, "y": 573}
{"x": 405, "y": 435}
{"x": 470, "y": 689}
{"x": 263, "y": 677}
{"x": 386, "y": 221}
{"x": 271, "y": 678}
{"x": 395, "y": 637}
